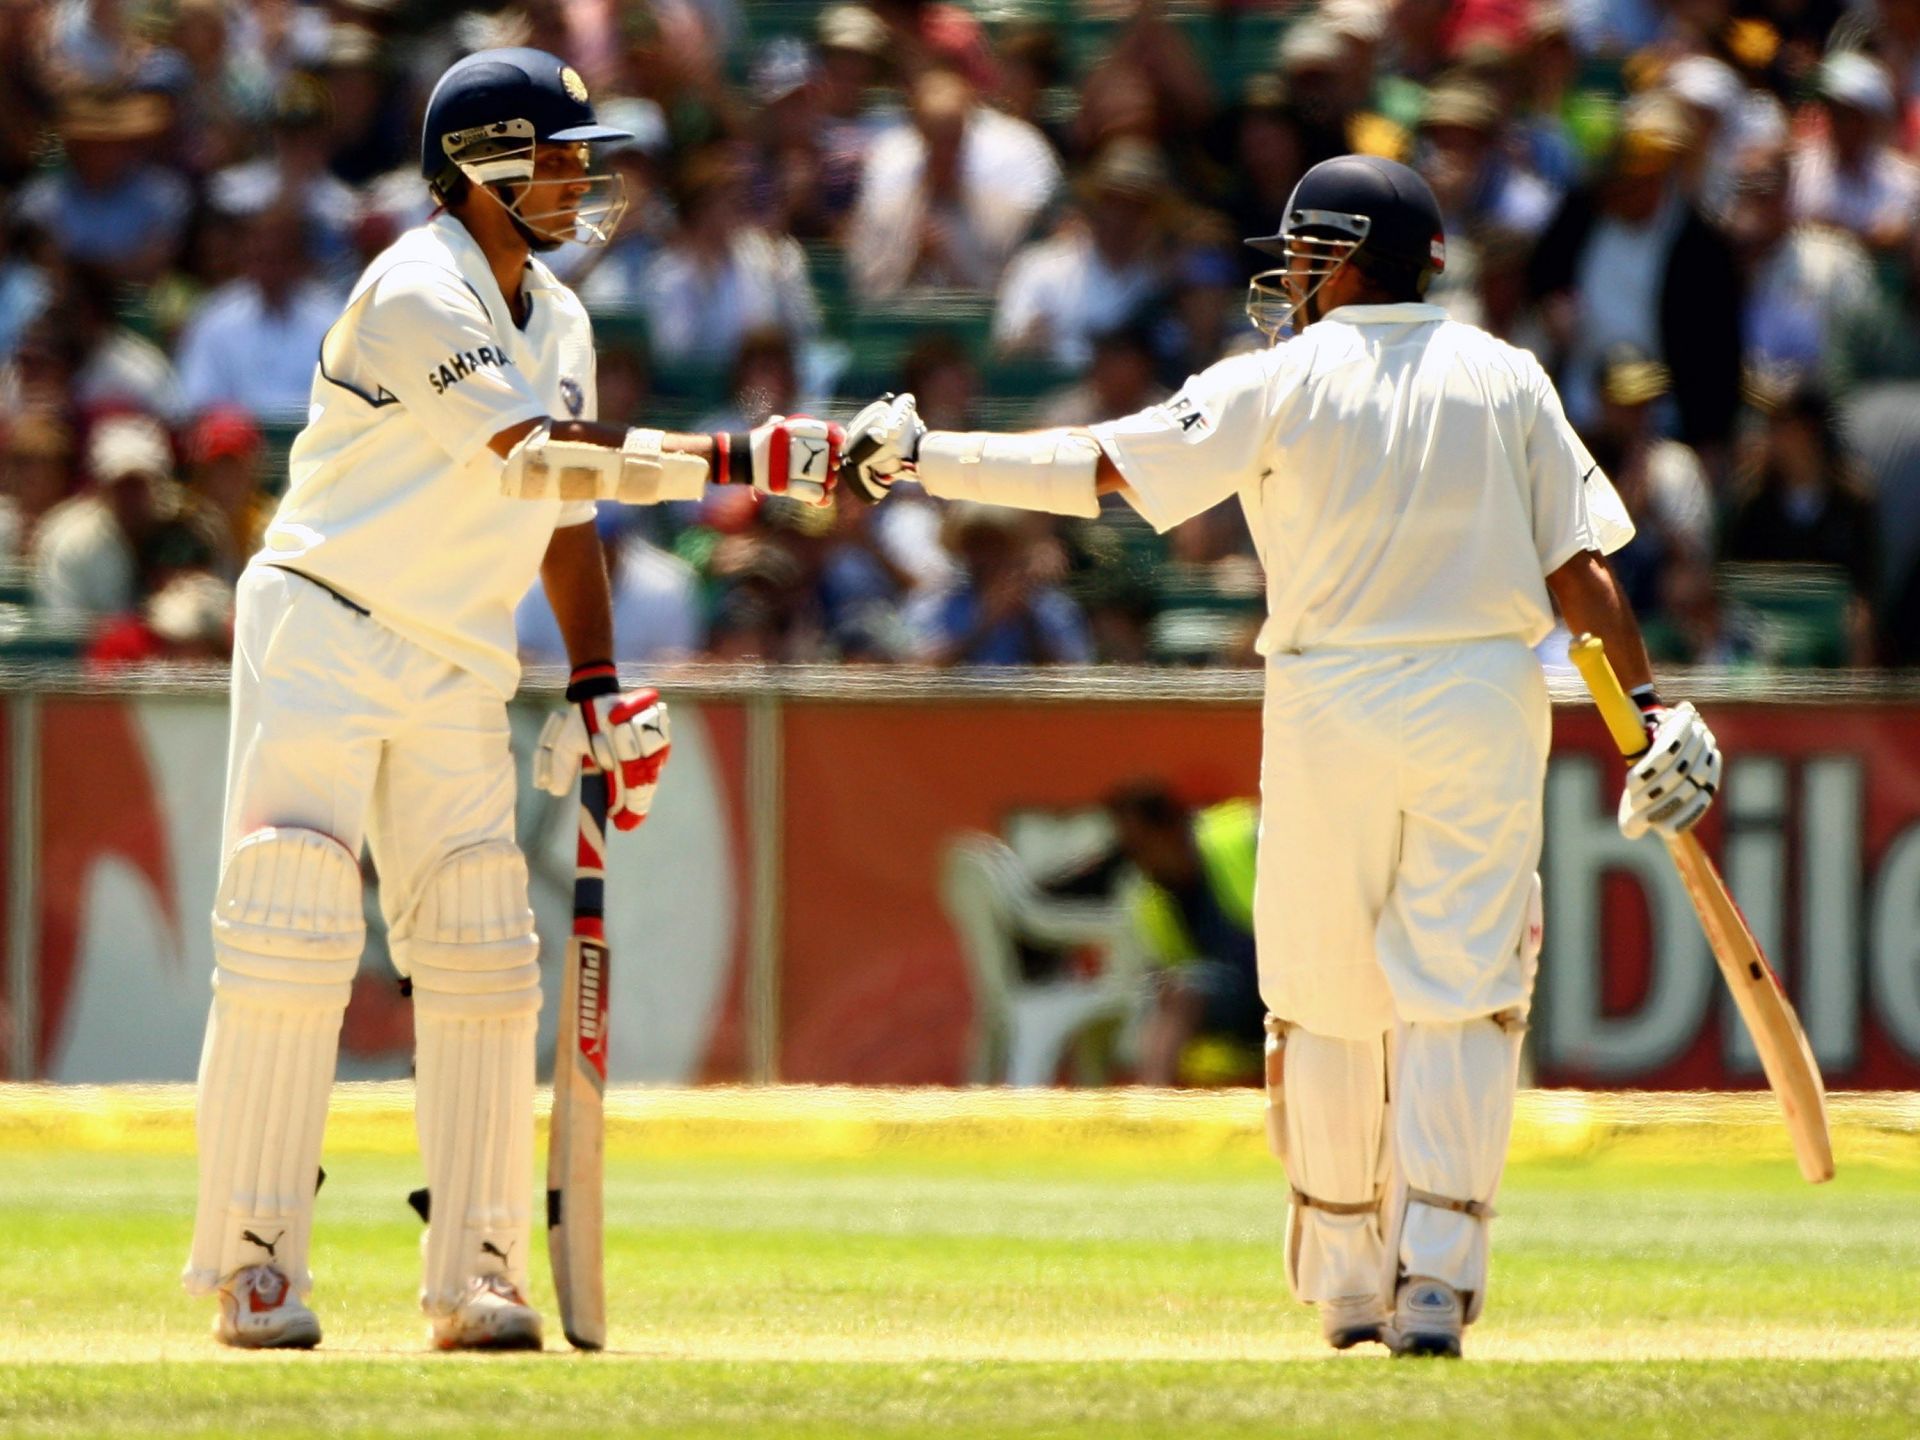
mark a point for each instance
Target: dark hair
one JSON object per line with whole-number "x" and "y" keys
{"x": 1150, "y": 803}
{"x": 1395, "y": 279}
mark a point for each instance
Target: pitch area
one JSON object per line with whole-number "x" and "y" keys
{"x": 865, "y": 1264}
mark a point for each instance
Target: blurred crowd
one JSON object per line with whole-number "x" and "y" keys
{"x": 1700, "y": 215}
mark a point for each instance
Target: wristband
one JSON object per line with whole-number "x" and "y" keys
{"x": 732, "y": 459}
{"x": 592, "y": 680}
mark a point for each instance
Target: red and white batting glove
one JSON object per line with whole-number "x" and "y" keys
{"x": 625, "y": 737}
{"x": 792, "y": 455}
{"x": 1672, "y": 782}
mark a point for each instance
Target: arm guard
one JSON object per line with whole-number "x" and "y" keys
{"x": 640, "y": 472}
{"x": 1051, "y": 470}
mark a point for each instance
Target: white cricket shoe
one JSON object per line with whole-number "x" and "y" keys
{"x": 1427, "y": 1319}
{"x": 492, "y": 1315}
{"x": 259, "y": 1311}
{"x": 1350, "y": 1320}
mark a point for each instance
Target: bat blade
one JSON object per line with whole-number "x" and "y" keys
{"x": 576, "y": 1139}
{"x": 1785, "y": 1056}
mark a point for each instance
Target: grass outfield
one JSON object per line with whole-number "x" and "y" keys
{"x": 855, "y": 1264}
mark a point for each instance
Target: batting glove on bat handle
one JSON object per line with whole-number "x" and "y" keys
{"x": 883, "y": 443}
{"x": 1671, "y": 783}
{"x": 626, "y": 737}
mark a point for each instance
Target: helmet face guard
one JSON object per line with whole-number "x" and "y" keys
{"x": 502, "y": 154}
{"x": 1276, "y": 298}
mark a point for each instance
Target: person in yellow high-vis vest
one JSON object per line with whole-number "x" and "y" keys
{"x": 1193, "y": 912}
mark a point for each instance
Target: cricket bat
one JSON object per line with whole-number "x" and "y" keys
{"x": 1782, "y": 1045}
{"x": 576, "y": 1138}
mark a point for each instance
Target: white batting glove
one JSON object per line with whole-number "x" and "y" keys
{"x": 1670, "y": 787}
{"x": 883, "y": 443}
{"x": 792, "y": 455}
{"x": 625, "y": 737}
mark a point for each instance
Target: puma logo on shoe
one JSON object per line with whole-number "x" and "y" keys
{"x": 266, "y": 1245}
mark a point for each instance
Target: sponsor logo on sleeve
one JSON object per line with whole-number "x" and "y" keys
{"x": 572, "y": 396}
{"x": 458, "y": 366}
{"x": 1193, "y": 420}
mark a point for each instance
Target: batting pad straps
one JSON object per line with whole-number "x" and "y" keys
{"x": 641, "y": 472}
{"x": 1050, "y": 470}
{"x": 1477, "y": 1209}
{"x": 468, "y": 943}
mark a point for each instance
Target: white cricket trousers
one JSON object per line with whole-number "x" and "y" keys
{"x": 342, "y": 726}
{"x": 1396, "y": 916}
{"x": 344, "y": 731}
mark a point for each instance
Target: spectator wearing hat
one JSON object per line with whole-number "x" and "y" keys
{"x": 1463, "y": 154}
{"x": 36, "y": 453}
{"x": 1802, "y": 279}
{"x": 947, "y": 196}
{"x": 721, "y": 276}
{"x": 1314, "y": 64}
{"x": 224, "y": 451}
{"x": 1546, "y": 72}
{"x": 851, "y": 44}
{"x": 103, "y": 365}
{"x": 110, "y": 206}
{"x": 1099, "y": 268}
{"x": 794, "y": 189}
{"x": 209, "y": 63}
{"x": 1660, "y": 480}
{"x": 188, "y": 619}
{"x": 1629, "y": 259}
{"x": 85, "y": 555}
{"x": 1729, "y": 119}
{"x": 1850, "y": 176}
{"x": 90, "y": 45}
{"x": 370, "y": 121}
{"x": 294, "y": 175}
{"x": 252, "y": 343}
{"x": 1003, "y": 607}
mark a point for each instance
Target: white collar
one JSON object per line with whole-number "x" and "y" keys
{"x": 1407, "y": 312}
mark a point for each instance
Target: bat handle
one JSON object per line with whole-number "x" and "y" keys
{"x": 1616, "y": 707}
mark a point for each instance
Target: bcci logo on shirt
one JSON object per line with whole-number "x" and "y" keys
{"x": 571, "y": 395}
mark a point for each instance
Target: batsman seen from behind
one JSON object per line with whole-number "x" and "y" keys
{"x": 450, "y": 456}
{"x": 1417, "y": 497}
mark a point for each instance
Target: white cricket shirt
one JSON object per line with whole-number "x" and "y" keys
{"x": 394, "y": 498}
{"x": 1408, "y": 479}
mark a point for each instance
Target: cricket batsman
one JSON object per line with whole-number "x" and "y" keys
{"x": 450, "y": 455}
{"x": 1419, "y": 501}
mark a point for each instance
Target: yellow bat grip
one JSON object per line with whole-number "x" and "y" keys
{"x": 1589, "y": 657}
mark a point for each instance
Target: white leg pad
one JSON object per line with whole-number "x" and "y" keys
{"x": 288, "y": 930}
{"x": 1335, "y": 1123}
{"x": 1454, "y": 1116}
{"x": 470, "y": 948}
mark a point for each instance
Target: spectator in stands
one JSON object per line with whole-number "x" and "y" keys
{"x": 940, "y": 373}
{"x": 947, "y": 196}
{"x": 656, "y": 601}
{"x": 24, "y": 286}
{"x": 1729, "y": 120}
{"x": 1033, "y": 76}
{"x": 928, "y": 34}
{"x": 294, "y": 175}
{"x": 1192, "y": 907}
{"x": 1802, "y": 500}
{"x": 1875, "y": 339}
{"x": 109, "y": 365}
{"x": 852, "y": 45}
{"x": 612, "y": 277}
{"x": 1271, "y": 147}
{"x": 1465, "y": 154}
{"x": 91, "y": 43}
{"x": 1099, "y": 268}
{"x": 792, "y": 190}
{"x": 1205, "y": 315}
{"x": 1801, "y": 278}
{"x": 1548, "y": 68}
{"x": 1004, "y": 607}
{"x": 110, "y": 207}
{"x": 36, "y": 456}
{"x": 86, "y": 554}
{"x": 1693, "y": 626}
{"x": 370, "y": 120}
{"x": 218, "y": 82}
{"x": 224, "y": 453}
{"x": 1148, "y": 84}
{"x": 721, "y": 277}
{"x": 188, "y": 618}
{"x": 1120, "y": 380}
{"x": 1850, "y": 175}
{"x": 253, "y": 343}
{"x": 764, "y": 381}
{"x": 1660, "y": 480}
{"x": 624, "y": 384}
{"x": 1630, "y": 260}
